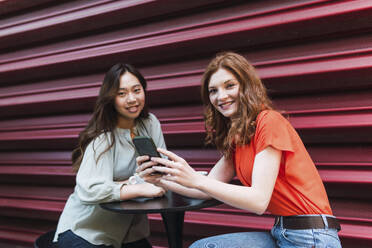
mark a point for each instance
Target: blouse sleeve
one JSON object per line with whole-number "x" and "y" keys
{"x": 94, "y": 180}
{"x": 273, "y": 130}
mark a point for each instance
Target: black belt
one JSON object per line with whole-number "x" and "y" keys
{"x": 307, "y": 222}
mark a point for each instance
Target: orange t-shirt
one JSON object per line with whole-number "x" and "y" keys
{"x": 298, "y": 188}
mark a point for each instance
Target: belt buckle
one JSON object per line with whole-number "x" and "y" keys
{"x": 277, "y": 219}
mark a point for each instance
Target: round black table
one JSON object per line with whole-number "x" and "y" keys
{"x": 171, "y": 206}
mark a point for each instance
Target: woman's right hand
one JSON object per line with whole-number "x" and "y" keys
{"x": 144, "y": 189}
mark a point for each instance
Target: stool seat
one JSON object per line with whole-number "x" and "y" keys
{"x": 45, "y": 240}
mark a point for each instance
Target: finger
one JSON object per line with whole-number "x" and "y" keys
{"x": 145, "y": 165}
{"x": 165, "y": 183}
{"x": 165, "y": 170}
{"x": 151, "y": 178}
{"x": 146, "y": 173}
{"x": 157, "y": 182}
{"x": 168, "y": 178}
{"x": 166, "y": 162}
{"x": 170, "y": 155}
{"x": 153, "y": 181}
{"x": 141, "y": 159}
{"x": 162, "y": 191}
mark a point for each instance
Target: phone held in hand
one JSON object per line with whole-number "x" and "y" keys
{"x": 145, "y": 146}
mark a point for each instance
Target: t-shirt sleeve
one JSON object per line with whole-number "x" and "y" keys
{"x": 273, "y": 130}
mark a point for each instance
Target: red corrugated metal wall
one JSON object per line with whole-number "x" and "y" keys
{"x": 315, "y": 57}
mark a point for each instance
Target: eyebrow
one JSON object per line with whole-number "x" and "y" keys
{"x": 136, "y": 85}
{"x": 228, "y": 80}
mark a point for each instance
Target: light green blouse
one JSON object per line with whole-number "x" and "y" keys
{"x": 95, "y": 183}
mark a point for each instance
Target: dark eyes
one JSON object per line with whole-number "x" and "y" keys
{"x": 212, "y": 91}
{"x": 124, "y": 93}
{"x": 229, "y": 86}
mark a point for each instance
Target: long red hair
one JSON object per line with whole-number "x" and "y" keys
{"x": 224, "y": 132}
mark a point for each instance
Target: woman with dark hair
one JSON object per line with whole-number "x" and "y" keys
{"x": 261, "y": 147}
{"x": 104, "y": 160}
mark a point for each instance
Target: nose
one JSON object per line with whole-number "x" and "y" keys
{"x": 222, "y": 95}
{"x": 131, "y": 98}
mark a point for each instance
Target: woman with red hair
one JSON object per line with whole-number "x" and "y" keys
{"x": 264, "y": 151}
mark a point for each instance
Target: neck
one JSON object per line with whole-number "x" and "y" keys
{"x": 125, "y": 123}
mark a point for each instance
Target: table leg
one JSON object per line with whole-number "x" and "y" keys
{"x": 173, "y": 223}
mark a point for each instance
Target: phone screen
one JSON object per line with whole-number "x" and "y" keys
{"x": 145, "y": 146}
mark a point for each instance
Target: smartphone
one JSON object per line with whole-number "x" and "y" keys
{"x": 145, "y": 146}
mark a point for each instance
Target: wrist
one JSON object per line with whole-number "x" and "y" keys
{"x": 135, "y": 179}
{"x": 200, "y": 181}
{"x": 130, "y": 191}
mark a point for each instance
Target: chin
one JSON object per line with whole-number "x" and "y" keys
{"x": 230, "y": 114}
{"x": 134, "y": 116}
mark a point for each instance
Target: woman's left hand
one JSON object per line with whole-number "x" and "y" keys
{"x": 176, "y": 169}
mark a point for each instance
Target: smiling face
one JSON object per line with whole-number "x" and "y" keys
{"x": 129, "y": 101}
{"x": 223, "y": 91}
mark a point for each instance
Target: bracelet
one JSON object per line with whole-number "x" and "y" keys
{"x": 135, "y": 179}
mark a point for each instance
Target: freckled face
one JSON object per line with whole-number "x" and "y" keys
{"x": 130, "y": 100}
{"x": 224, "y": 92}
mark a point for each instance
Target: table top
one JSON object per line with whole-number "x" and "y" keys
{"x": 170, "y": 202}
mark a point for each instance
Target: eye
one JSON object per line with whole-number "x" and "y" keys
{"x": 121, "y": 93}
{"x": 137, "y": 90}
{"x": 230, "y": 85}
{"x": 212, "y": 91}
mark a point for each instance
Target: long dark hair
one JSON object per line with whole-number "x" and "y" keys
{"x": 105, "y": 117}
{"x": 225, "y": 132}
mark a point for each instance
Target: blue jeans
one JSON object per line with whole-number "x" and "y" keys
{"x": 278, "y": 237}
{"x": 69, "y": 239}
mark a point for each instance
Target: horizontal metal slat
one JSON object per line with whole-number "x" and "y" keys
{"x": 82, "y": 17}
{"x": 11, "y": 6}
{"x": 227, "y": 14}
{"x": 32, "y": 192}
{"x": 50, "y": 12}
{"x": 157, "y": 44}
{"x": 313, "y": 128}
{"x": 25, "y": 238}
{"x": 37, "y": 209}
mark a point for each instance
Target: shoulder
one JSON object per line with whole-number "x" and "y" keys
{"x": 270, "y": 116}
{"x": 150, "y": 125}
{"x": 101, "y": 141}
{"x": 151, "y": 120}
{"x": 271, "y": 121}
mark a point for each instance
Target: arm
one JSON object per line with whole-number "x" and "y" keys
{"x": 255, "y": 198}
{"x": 140, "y": 190}
{"x": 94, "y": 180}
{"x": 128, "y": 191}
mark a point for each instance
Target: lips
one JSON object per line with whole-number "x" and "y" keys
{"x": 133, "y": 109}
{"x": 225, "y": 105}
